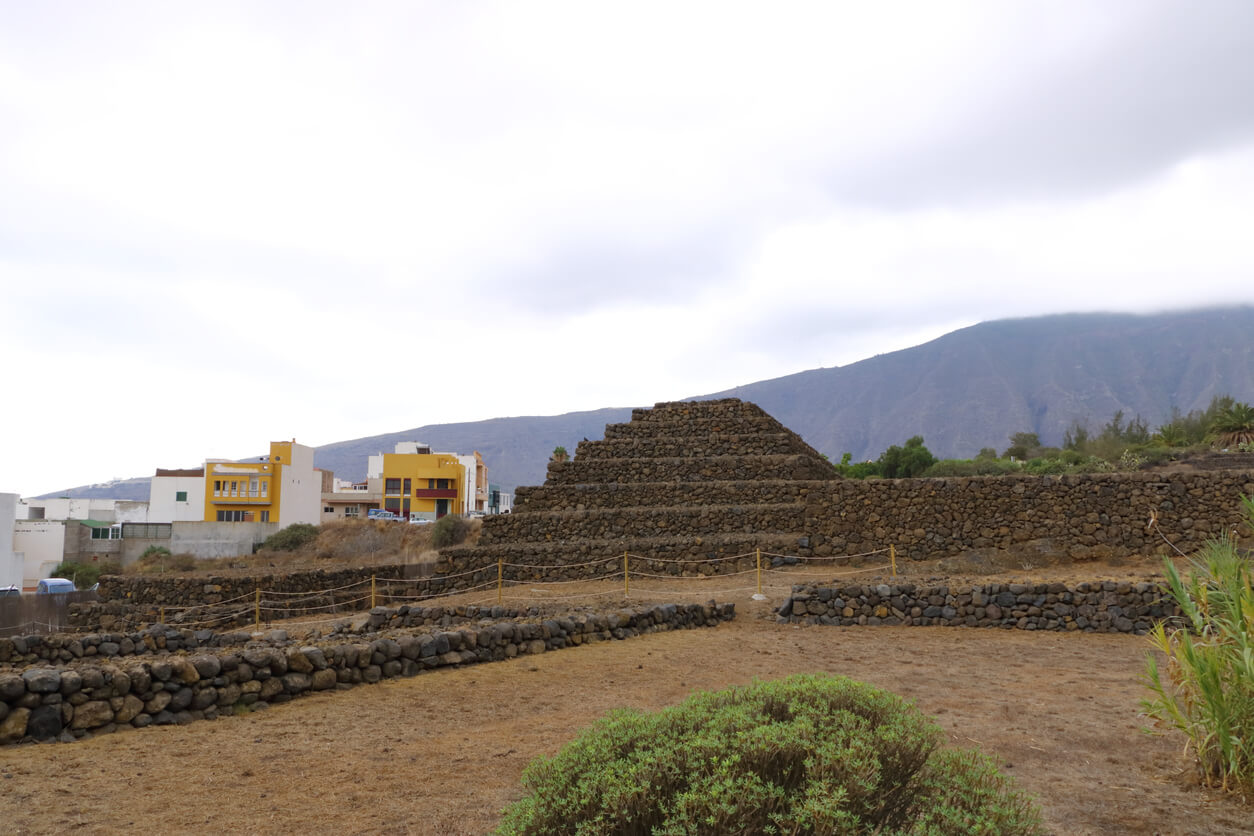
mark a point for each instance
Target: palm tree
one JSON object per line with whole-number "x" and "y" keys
{"x": 1234, "y": 426}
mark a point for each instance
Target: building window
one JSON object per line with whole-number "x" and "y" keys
{"x": 234, "y": 488}
{"x": 239, "y": 516}
{"x": 265, "y": 516}
{"x": 405, "y": 490}
{"x": 430, "y": 484}
{"x": 327, "y": 509}
{"x": 392, "y": 486}
{"x": 180, "y": 496}
{"x": 146, "y": 531}
{"x": 217, "y": 487}
{"x": 441, "y": 484}
{"x": 350, "y": 510}
{"x": 265, "y": 484}
{"x": 111, "y": 533}
{"x": 253, "y": 487}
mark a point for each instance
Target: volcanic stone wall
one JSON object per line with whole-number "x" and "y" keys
{"x": 1081, "y": 516}
{"x": 1094, "y": 607}
{"x": 163, "y": 688}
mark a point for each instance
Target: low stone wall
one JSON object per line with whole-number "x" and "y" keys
{"x": 1089, "y": 515}
{"x": 704, "y": 469}
{"x": 68, "y": 702}
{"x": 651, "y": 495}
{"x": 633, "y": 523}
{"x": 178, "y": 591}
{"x": 692, "y": 427}
{"x": 714, "y": 444}
{"x": 1092, "y": 607}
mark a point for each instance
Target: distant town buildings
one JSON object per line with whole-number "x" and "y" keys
{"x": 227, "y": 508}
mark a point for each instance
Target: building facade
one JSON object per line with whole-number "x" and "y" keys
{"x": 282, "y": 488}
{"x": 416, "y": 483}
{"x": 177, "y": 496}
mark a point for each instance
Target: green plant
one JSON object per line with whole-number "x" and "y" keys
{"x": 811, "y": 754}
{"x": 84, "y": 575}
{"x": 905, "y": 462}
{"x": 1234, "y": 425}
{"x": 449, "y": 530}
{"x": 1208, "y": 689}
{"x": 154, "y": 552}
{"x": 559, "y": 455}
{"x": 291, "y": 538}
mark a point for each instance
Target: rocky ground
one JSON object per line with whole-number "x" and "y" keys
{"x": 442, "y": 752}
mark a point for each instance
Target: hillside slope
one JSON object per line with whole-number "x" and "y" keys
{"x": 963, "y": 391}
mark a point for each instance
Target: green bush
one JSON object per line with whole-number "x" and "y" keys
{"x": 811, "y": 754}
{"x": 1208, "y": 692}
{"x": 84, "y": 575}
{"x": 449, "y": 530}
{"x": 291, "y": 538}
{"x": 154, "y": 552}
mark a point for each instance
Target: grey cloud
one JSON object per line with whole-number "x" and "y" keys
{"x": 1179, "y": 82}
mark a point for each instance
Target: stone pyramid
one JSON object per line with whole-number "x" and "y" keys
{"x": 683, "y": 482}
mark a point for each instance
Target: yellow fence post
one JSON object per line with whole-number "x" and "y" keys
{"x": 626, "y": 583}
{"x": 892, "y": 556}
{"x": 759, "y": 571}
{"x": 257, "y": 609}
{"x": 372, "y": 592}
{"x": 500, "y": 570}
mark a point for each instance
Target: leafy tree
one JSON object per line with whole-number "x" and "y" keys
{"x": 559, "y": 455}
{"x": 986, "y": 453}
{"x": 1022, "y": 446}
{"x": 905, "y": 462}
{"x": 84, "y": 574}
{"x": 1076, "y": 437}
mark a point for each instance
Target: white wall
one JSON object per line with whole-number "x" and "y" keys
{"x": 162, "y": 505}
{"x": 104, "y": 510}
{"x": 10, "y": 565}
{"x": 42, "y": 543}
{"x": 300, "y": 500}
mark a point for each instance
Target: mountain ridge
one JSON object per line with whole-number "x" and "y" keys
{"x": 967, "y": 389}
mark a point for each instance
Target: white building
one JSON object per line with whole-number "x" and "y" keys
{"x": 10, "y": 560}
{"x": 177, "y": 496}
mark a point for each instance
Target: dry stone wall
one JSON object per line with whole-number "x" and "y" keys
{"x": 1091, "y": 607}
{"x": 1080, "y": 516}
{"x": 166, "y": 687}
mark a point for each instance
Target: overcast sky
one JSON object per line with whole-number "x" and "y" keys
{"x": 227, "y": 223}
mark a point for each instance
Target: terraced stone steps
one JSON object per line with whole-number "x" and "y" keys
{"x": 604, "y": 523}
{"x": 726, "y": 444}
{"x": 674, "y": 494}
{"x": 691, "y": 427}
{"x": 584, "y": 471}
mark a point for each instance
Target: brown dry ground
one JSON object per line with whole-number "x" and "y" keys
{"x": 441, "y": 753}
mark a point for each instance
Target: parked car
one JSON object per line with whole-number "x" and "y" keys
{"x": 54, "y": 586}
{"x": 376, "y": 514}
{"x": 10, "y": 592}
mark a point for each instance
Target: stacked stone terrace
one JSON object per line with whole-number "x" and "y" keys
{"x": 686, "y": 481}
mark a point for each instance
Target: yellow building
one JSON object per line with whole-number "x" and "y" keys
{"x": 415, "y": 482}
{"x": 282, "y": 487}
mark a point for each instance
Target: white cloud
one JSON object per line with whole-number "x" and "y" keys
{"x": 227, "y": 225}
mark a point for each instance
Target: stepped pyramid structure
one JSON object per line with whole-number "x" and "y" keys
{"x": 681, "y": 483}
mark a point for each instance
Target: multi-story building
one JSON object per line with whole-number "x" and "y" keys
{"x": 416, "y": 483}
{"x": 282, "y": 487}
{"x": 177, "y": 495}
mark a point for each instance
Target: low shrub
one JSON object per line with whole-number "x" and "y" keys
{"x": 1208, "y": 691}
{"x": 291, "y": 538}
{"x": 153, "y": 552}
{"x": 449, "y": 530}
{"x": 811, "y": 754}
{"x": 84, "y": 575}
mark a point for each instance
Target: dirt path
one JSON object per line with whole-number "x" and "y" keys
{"x": 441, "y": 753}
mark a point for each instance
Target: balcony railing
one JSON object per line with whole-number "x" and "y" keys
{"x": 435, "y": 493}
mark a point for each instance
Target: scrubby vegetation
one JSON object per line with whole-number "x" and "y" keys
{"x": 291, "y": 538}
{"x": 449, "y": 530}
{"x": 1207, "y": 691}
{"x": 84, "y": 575}
{"x": 1119, "y": 445}
{"x": 811, "y": 754}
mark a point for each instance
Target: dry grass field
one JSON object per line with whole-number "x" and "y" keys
{"x": 441, "y": 753}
